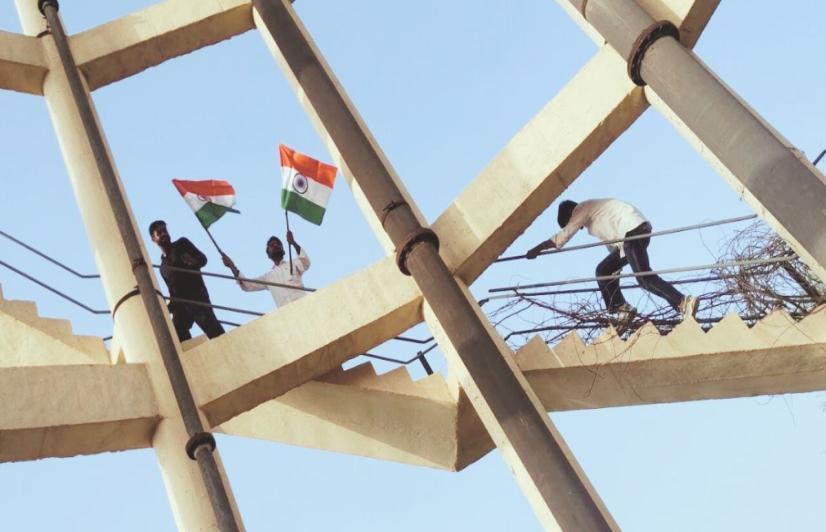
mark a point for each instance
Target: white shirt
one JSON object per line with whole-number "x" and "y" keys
{"x": 280, "y": 274}
{"x": 606, "y": 219}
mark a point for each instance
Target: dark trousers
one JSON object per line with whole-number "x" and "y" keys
{"x": 636, "y": 254}
{"x": 183, "y": 316}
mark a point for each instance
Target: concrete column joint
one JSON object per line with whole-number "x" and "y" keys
{"x": 649, "y": 36}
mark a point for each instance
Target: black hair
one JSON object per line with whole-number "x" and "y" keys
{"x": 270, "y": 239}
{"x": 566, "y": 210}
{"x": 154, "y": 225}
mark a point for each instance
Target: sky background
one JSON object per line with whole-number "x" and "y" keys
{"x": 443, "y": 86}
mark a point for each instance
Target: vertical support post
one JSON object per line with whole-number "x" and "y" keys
{"x": 777, "y": 181}
{"x": 195, "y": 481}
{"x": 554, "y": 483}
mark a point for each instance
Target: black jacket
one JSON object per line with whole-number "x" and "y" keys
{"x": 182, "y": 284}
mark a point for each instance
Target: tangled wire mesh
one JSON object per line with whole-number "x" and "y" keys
{"x": 751, "y": 291}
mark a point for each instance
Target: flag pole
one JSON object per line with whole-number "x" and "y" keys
{"x": 213, "y": 240}
{"x": 289, "y": 246}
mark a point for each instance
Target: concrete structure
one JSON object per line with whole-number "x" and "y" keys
{"x": 300, "y": 395}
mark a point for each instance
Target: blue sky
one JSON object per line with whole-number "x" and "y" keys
{"x": 443, "y": 86}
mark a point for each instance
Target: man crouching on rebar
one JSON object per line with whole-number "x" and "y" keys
{"x": 608, "y": 220}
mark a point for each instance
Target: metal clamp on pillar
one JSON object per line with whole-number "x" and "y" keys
{"x": 416, "y": 237}
{"x": 132, "y": 293}
{"x": 41, "y": 5}
{"x": 390, "y": 207}
{"x": 198, "y": 440}
{"x": 649, "y": 36}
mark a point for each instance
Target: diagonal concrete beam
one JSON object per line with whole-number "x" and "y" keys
{"x": 776, "y": 355}
{"x": 273, "y": 354}
{"x": 22, "y": 65}
{"x": 551, "y": 151}
{"x": 55, "y": 411}
{"x": 364, "y": 414}
{"x": 131, "y": 44}
{"x": 540, "y": 162}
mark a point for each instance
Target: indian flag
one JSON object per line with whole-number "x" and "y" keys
{"x": 306, "y": 184}
{"x": 209, "y": 199}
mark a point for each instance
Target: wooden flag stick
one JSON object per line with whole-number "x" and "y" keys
{"x": 289, "y": 246}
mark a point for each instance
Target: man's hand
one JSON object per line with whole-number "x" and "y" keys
{"x": 229, "y": 264}
{"x": 534, "y": 251}
{"x": 291, "y": 242}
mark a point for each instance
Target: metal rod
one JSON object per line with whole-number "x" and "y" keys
{"x": 225, "y": 276}
{"x": 53, "y": 290}
{"x": 218, "y": 496}
{"x": 819, "y": 157}
{"x": 289, "y": 247}
{"x": 596, "y": 288}
{"x": 635, "y": 237}
{"x": 561, "y": 494}
{"x": 50, "y": 259}
{"x": 728, "y": 264}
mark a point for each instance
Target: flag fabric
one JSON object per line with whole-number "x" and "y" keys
{"x": 306, "y": 184}
{"x": 209, "y": 199}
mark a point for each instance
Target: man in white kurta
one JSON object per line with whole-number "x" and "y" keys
{"x": 285, "y": 284}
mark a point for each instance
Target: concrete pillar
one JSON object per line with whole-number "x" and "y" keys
{"x": 185, "y": 482}
{"x": 554, "y": 484}
{"x": 781, "y": 185}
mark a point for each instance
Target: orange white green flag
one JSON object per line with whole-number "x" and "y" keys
{"x": 306, "y": 184}
{"x": 209, "y": 199}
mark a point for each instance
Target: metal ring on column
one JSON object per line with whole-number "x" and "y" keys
{"x": 418, "y": 236}
{"x": 197, "y": 440}
{"x": 649, "y": 36}
{"x": 41, "y": 5}
{"x": 390, "y": 207}
{"x": 132, "y": 293}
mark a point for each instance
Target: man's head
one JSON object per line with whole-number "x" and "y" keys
{"x": 275, "y": 249}
{"x": 566, "y": 210}
{"x": 159, "y": 234}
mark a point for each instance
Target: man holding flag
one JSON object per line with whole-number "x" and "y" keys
{"x": 283, "y": 275}
{"x": 306, "y": 185}
{"x": 209, "y": 200}
{"x": 178, "y": 256}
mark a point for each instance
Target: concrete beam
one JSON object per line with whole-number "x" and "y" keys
{"x": 777, "y": 355}
{"x": 57, "y": 411}
{"x": 282, "y": 350}
{"x": 131, "y": 44}
{"x": 388, "y": 417}
{"x": 22, "y": 65}
{"x": 552, "y": 150}
{"x": 758, "y": 162}
{"x": 22, "y": 344}
{"x": 540, "y": 162}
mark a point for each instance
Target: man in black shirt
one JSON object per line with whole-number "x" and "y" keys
{"x": 184, "y": 285}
